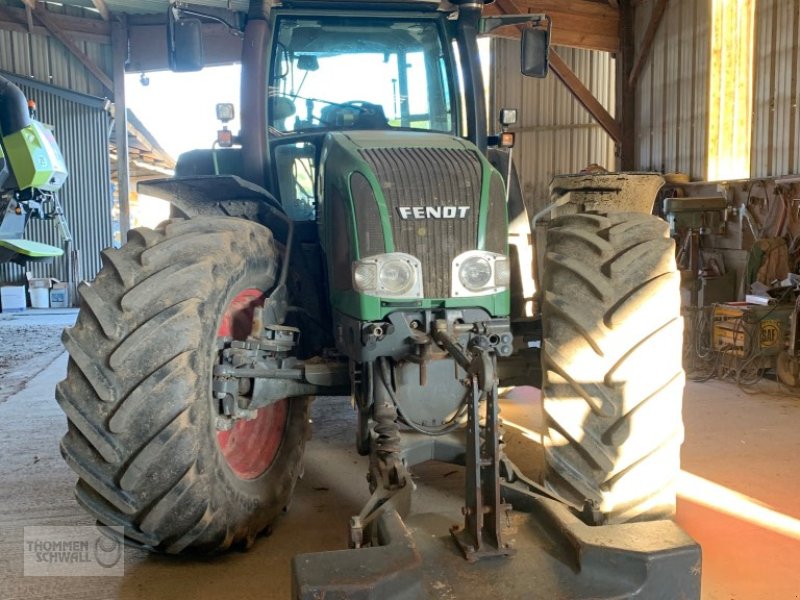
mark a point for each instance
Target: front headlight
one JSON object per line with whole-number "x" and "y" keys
{"x": 475, "y": 273}
{"x": 394, "y": 275}
{"x": 479, "y": 273}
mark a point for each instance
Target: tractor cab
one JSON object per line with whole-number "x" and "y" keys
{"x": 317, "y": 86}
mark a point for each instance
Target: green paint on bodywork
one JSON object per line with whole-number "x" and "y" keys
{"x": 341, "y": 158}
{"x": 32, "y": 249}
{"x": 370, "y": 308}
{"x": 34, "y": 158}
{"x": 483, "y": 214}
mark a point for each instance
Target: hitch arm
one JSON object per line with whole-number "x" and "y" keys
{"x": 485, "y": 513}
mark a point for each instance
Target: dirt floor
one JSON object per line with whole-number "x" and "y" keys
{"x": 28, "y": 346}
{"x": 738, "y": 491}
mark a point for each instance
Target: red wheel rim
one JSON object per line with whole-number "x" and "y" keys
{"x": 250, "y": 447}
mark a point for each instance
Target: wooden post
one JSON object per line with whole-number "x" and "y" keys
{"x": 119, "y": 43}
{"x": 626, "y": 96}
{"x": 647, "y": 40}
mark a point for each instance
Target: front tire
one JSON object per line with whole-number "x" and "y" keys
{"x": 142, "y": 421}
{"x": 611, "y": 355}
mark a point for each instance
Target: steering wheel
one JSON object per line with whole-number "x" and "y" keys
{"x": 359, "y": 104}
{"x": 368, "y": 115}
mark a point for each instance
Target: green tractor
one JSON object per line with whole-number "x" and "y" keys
{"x": 31, "y": 171}
{"x": 354, "y": 239}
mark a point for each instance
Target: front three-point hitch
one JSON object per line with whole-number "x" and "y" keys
{"x": 535, "y": 545}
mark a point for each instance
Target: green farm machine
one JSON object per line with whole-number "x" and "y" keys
{"x": 31, "y": 171}
{"x": 364, "y": 235}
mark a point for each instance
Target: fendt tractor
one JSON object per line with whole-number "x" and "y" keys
{"x": 364, "y": 235}
{"x": 31, "y": 171}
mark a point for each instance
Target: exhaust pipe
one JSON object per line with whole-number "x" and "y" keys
{"x": 14, "y": 114}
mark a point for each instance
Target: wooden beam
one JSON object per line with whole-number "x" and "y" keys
{"x": 29, "y": 18}
{"x": 584, "y": 96}
{"x": 575, "y": 23}
{"x": 647, "y": 41}
{"x": 626, "y": 97}
{"x": 73, "y": 48}
{"x": 119, "y": 48}
{"x": 101, "y": 7}
{"x": 90, "y": 30}
{"x": 577, "y": 7}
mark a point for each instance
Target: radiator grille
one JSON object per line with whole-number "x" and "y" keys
{"x": 430, "y": 177}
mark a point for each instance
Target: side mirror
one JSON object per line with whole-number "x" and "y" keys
{"x": 535, "y": 45}
{"x": 184, "y": 42}
{"x": 307, "y": 62}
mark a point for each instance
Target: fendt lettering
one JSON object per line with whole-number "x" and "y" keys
{"x": 433, "y": 212}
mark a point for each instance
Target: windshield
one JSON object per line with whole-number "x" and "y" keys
{"x": 359, "y": 73}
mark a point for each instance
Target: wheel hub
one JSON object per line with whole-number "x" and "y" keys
{"x": 250, "y": 445}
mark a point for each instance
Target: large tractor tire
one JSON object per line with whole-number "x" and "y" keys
{"x": 611, "y": 355}
{"x": 142, "y": 421}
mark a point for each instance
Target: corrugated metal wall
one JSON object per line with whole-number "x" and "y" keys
{"x": 555, "y": 134}
{"x": 776, "y": 126}
{"x": 672, "y": 91}
{"x": 81, "y": 128}
{"x": 70, "y": 99}
{"x": 45, "y": 59}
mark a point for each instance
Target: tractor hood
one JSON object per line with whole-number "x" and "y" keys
{"x": 405, "y": 139}
{"x": 428, "y": 195}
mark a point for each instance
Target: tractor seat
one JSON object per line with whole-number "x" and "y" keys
{"x": 282, "y": 108}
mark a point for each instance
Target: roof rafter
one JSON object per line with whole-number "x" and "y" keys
{"x": 91, "y": 30}
{"x": 647, "y": 41}
{"x": 584, "y": 96}
{"x": 575, "y": 23}
{"x": 102, "y": 8}
{"x": 73, "y": 48}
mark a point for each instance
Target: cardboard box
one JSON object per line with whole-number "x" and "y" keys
{"x": 12, "y": 298}
{"x": 59, "y": 295}
{"x": 40, "y": 297}
{"x": 40, "y": 282}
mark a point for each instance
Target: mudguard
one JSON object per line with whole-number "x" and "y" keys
{"x": 218, "y": 195}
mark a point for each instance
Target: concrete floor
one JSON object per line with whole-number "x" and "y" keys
{"x": 739, "y": 493}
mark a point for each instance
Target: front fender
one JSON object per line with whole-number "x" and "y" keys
{"x": 218, "y": 195}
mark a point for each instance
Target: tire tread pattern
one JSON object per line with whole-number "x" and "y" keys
{"x": 140, "y": 422}
{"x": 611, "y": 353}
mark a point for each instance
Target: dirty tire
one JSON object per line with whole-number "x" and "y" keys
{"x": 611, "y": 356}
{"x": 141, "y": 422}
